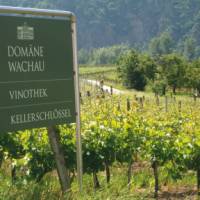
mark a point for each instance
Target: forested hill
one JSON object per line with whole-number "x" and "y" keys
{"x": 136, "y": 22}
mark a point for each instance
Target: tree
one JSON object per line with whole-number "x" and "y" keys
{"x": 107, "y": 55}
{"x": 189, "y": 50}
{"x": 173, "y": 67}
{"x": 148, "y": 65}
{"x": 83, "y": 56}
{"x": 131, "y": 71}
{"x": 193, "y": 75}
{"x": 161, "y": 45}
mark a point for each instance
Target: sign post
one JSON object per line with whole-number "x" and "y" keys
{"x": 78, "y": 123}
{"x": 39, "y": 75}
{"x": 54, "y": 138}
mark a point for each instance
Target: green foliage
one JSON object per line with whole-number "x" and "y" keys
{"x": 167, "y": 71}
{"x": 102, "y": 56}
{"x": 189, "y": 50}
{"x": 136, "y": 69}
{"x": 159, "y": 85}
{"x": 110, "y": 134}
{"x": 107, "y": 23}
{"x": 161, "y": 45}
{"x": 193, "y": 75}
{"x": 92, "y": 146}
{"x": 83, "y": 56}
{"x": 131, "y": 71}
{"x": 38, "y": 148}
{"x": 10, "y": 146}
{"x": 173, "y": 67}
{"x": 149, "y": 66}
{"x": 131, "y": 140}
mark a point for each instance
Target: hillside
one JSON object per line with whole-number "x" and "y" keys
{"x": 108, "y": 22}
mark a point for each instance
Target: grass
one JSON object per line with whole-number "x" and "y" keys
{"x": 142, "y": 185}
{"x": 92, "y": 70}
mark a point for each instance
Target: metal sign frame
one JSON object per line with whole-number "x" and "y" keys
{"x": 57, "y": 13}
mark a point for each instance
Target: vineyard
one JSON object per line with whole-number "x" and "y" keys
{"x": 145, "y": 143}
{"x": 106, "y": 73}
{"x": 132, "y": 131}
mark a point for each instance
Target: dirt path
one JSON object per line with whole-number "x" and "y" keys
{"x": 104, "y": 87}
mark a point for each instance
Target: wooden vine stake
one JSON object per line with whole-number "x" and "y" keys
{"x": 157, "y": 100}
{"x": 111, "y": 90}
{"x": 198, "y": 182}
{"x": 179, "y": 106}
{"x": 141, "y": 100}
{"x": 128, "y": 104}
{"x": 166, "y": 104}
{"x": 156, "y": 179}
